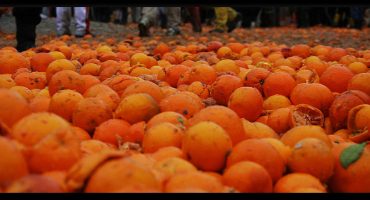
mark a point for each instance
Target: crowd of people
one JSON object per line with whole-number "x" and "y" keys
{"x": 223, "y": 19}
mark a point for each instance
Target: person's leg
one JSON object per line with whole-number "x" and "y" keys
{"x": 80, "y": 18}
{"x": 173, "y": 20}
{"x": 221, "y": 19}
{"x": 148, "y": 17}
{"x": 233, "y": 19}
{"x": 124, "y": 15}
{"x": 45, "y": 12}
{"x": 63, "y": 19}
{"x": 162, "y": 18}
{"x": 195, "y": 18}
{"x": 88, "y": 10}
{"x": 26, "y": 20}
{"x": 135, "y": 14}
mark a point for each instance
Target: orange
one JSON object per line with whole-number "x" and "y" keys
{"x": 248, "y": 176}
{"x": 341, "y": 105}
{"x": 261, "y": 152}
{"x": 223, "y": 52}
{"x": 173, "y": 74}
{"x": 34, "y": 183}
{"x": 336, "y": 54}
{"x": 306, "y": 155}
{"x": 12, "y": 163}
{"x": 224, "y": 117}
{"x": 185, "y": 103}
{"x": 40, "y": 104}
{"x": 186, "y": 182}
{"x": 172, "y": 166}
{"x": 56, "y": 151}
{"x": 278, "y": 83}
{"x": 24, "y": 92}
{"x": 105, "y": 93}
{"x": 353, "y": 178}
{"x": 301, "y": 50}
{"x": 256, "y": 78}
{"x": 11, "y": 61}
{"x": 162, "y": 135}
{"x": 227, "y": 65}
{"x": 90, "y": 113}
{"x": 235, "y": 46}
{"x": 111, "y": 130}
{"x": 317, "y": 66}
{"x": 358, "y": 123}
{"x": 200, "y": 89}
{"x": 314, "y": 94}
{"x": 90, "y": 69}
{"x": 203, "y": 73}
{"x": 306, "y": 76}
{"x": 66, "y": 79}
{"x": 80, "y": 133}
{"x": 258, "y": 130}
{"x": 59, "y": 65}
{"x": 167, "y": 152}
{"x": 33, "y": 80}
{"x": 89, "y": 81}
{"x": 6, "y": 81}
{"x": 279, "y": 120}
{"x": 64, "y": 103}
{"x": 360, "y": 82}
{"x": 247, "y": 102}
{"x": 223, "y": 87}
{"x": 93, "y": 146}
{"x": 207, "y": 145}
{"x": 284, "y": 150}
{"x": 161, "y": 49}
{"x": 336, "y": 78}
{"x": 358, "y": 67}
{"x": 40, "y": 61}
{"x": 276, "y": 101}
{"x": 294, "y": 135}
{"x": 295, "y": 181}
{"x": 304, "y": 114}
{"x": 115, "y": 173}
{"x": 144, "y": 87}
{"x": 168, "y": 116}
{"x": 13, "y": 107}
{"x": 214, "y": 45}
{"x": 137, "y": 107}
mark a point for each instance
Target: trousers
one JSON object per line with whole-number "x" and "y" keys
{"x": 223, "y": 15}
{"x": 150, "y": 16}
{"x": 63, "y": 20}
{"x": 26, "y": 20}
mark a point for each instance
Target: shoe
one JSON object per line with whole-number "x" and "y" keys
{"x": 79, "y": 36}
{"x": 216, "y": 30}
{"x": 43, "y": 16}
{"x": 64, "y": 33}
{"x": 143, "y": 30}
{"x": 172, "y": 32}
{"x": 234, "y": 23}
{"x": 197, "y": 29}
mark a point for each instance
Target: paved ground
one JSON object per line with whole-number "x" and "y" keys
{"x": 281, "y": 35}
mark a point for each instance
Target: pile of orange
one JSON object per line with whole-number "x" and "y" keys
{"x": 154, "y": 117}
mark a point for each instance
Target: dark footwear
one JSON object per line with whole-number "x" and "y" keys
{"x": 216, "y": 31}
{"x": 64, "y": 33}
{"x": 143, "y": 30}
{"x": 197, "y": 29}
{"x": 233, "y": 24}
{"x": 172, "y": 32}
